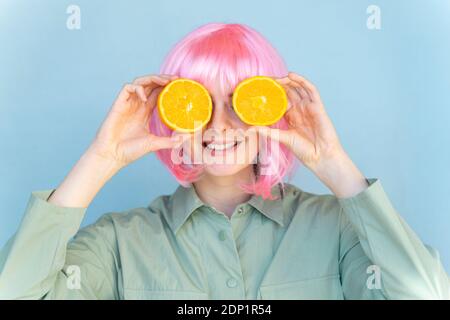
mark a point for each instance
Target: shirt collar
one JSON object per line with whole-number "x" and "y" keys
{"x": 184, "y": 201}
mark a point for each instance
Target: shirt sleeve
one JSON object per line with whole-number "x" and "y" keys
{"x": 380, "y": 255}
{"x": 42, "y": 261}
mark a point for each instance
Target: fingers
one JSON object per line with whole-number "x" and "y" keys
{"x": 128, "y": 90}
{"x": 298, "y": 98}
{"x": 315, "y": 108}
{"x": 294, "y": 89}
{"x": 305, "y": 95}
{"x": 141, "y": 93}
{"x": 282, "y": 136}
{"x": 295, "y": 97}
{"x": 296, "y": 143}
{"x": 123, "y": 107}
{"x": 147, "y": 80}
{"x": 152, "y": 99}
{"x": 151, "y": 82}
{"x": 306, "y": 85}
{"x": 142, "y": 87}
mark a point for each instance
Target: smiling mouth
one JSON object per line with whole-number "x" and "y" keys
{"x": 220, "y": 147}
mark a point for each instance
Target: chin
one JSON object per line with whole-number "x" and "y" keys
{"x": 224, "y": 170}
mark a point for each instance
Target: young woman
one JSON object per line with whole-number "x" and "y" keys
{"x": 229, "y": 231}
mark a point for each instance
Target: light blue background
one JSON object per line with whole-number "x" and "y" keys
{"x": 387, "y": 91}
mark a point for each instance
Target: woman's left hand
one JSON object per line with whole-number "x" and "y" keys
{"x": 313, "y": 139}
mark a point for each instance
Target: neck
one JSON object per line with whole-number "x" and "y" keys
{"x": 223, "y": 193}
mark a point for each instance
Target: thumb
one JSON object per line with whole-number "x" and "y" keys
{"x": 284, "y": 136}
{"x": 151, "y": 143}
{"x": 155, "y": 143}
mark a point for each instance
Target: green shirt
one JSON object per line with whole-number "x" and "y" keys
{"x": 302, "y": 246}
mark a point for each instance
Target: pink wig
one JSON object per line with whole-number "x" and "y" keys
{"x": 227, "y": 53}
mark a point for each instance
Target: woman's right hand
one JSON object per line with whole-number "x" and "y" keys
{"x": 124, "y": 135}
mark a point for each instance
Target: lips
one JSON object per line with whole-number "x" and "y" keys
{"x": 216, "y": 147}
{"x": 220, "y": 146}
{"x": 219, "y": 141}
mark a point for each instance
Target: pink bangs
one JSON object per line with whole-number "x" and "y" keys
{"x": 228, "y": 54}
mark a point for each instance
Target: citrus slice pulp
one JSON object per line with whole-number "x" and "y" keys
{"x": 260, "y": 101}
{"x": 185, "y": 105}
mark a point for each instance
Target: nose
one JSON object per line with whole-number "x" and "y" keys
{"x": 220, "y": 119}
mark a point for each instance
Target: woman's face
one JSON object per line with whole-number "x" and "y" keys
{"x": 226, "y": 144}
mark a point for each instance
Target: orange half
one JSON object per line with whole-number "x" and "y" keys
{"x": 260, "y": 101}
{"x": 185, "y": 105}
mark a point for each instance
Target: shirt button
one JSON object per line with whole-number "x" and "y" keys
{"x": 240, "y": 210}
{"x": 231, "y": 283}
{"x": 222, "y": 235}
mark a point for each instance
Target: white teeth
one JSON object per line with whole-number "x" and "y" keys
{"x": 220, "y": 147}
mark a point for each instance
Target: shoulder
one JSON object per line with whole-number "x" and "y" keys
{"x": 310, "y": 208}
{"x": 152, "y": 214}
{"x": 301, "y": 200}
{"x": 133, "y": 221}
